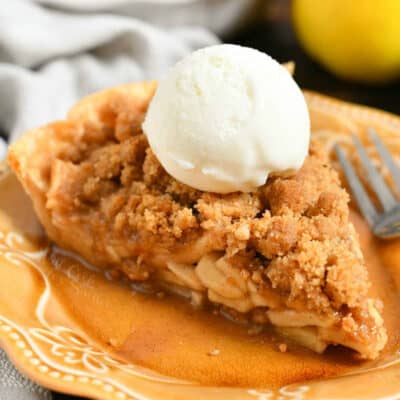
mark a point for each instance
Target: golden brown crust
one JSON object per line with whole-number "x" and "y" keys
{"x": 100, "y": 191}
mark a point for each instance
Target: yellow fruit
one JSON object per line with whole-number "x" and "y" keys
{"x": 354, "y": 39}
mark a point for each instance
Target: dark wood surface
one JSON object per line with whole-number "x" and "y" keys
{"x": 273, "y": 34}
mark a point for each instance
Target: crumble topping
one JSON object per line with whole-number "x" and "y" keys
{"x": 292, "y": 234}
{"x": 285, "y": 254}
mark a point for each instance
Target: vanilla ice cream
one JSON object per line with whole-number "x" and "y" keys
{"x": 225, "y": 117}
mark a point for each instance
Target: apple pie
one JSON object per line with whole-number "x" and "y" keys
{"x": 284, "y": 255}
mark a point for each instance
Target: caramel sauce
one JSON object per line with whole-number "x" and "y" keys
{"x": 171, "y": 337}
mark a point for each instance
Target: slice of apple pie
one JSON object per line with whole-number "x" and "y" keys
{"x": 284, "y": 255}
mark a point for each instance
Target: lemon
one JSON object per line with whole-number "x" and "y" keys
{"x": 354, "y": 39}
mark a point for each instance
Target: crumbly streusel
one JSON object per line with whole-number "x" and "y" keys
{"x": 293, "y": 229}
{"x": 99, "y": 190}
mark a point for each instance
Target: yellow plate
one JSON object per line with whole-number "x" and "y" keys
{"x": 75, "y": 330}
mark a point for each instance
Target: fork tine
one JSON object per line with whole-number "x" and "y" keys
{"x": 378, "y": 184}
{"x": 386, "y": 157}
{"x": 360, "y": 194}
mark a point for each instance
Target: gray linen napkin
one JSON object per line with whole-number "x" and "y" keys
{"x": 51, "y": 57}
{"x": 13, "y": 386}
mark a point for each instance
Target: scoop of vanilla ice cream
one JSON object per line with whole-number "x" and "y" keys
{"x": 225, "y": 117}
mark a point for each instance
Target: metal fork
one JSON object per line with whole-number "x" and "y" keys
{"x": 385, "y": 223}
